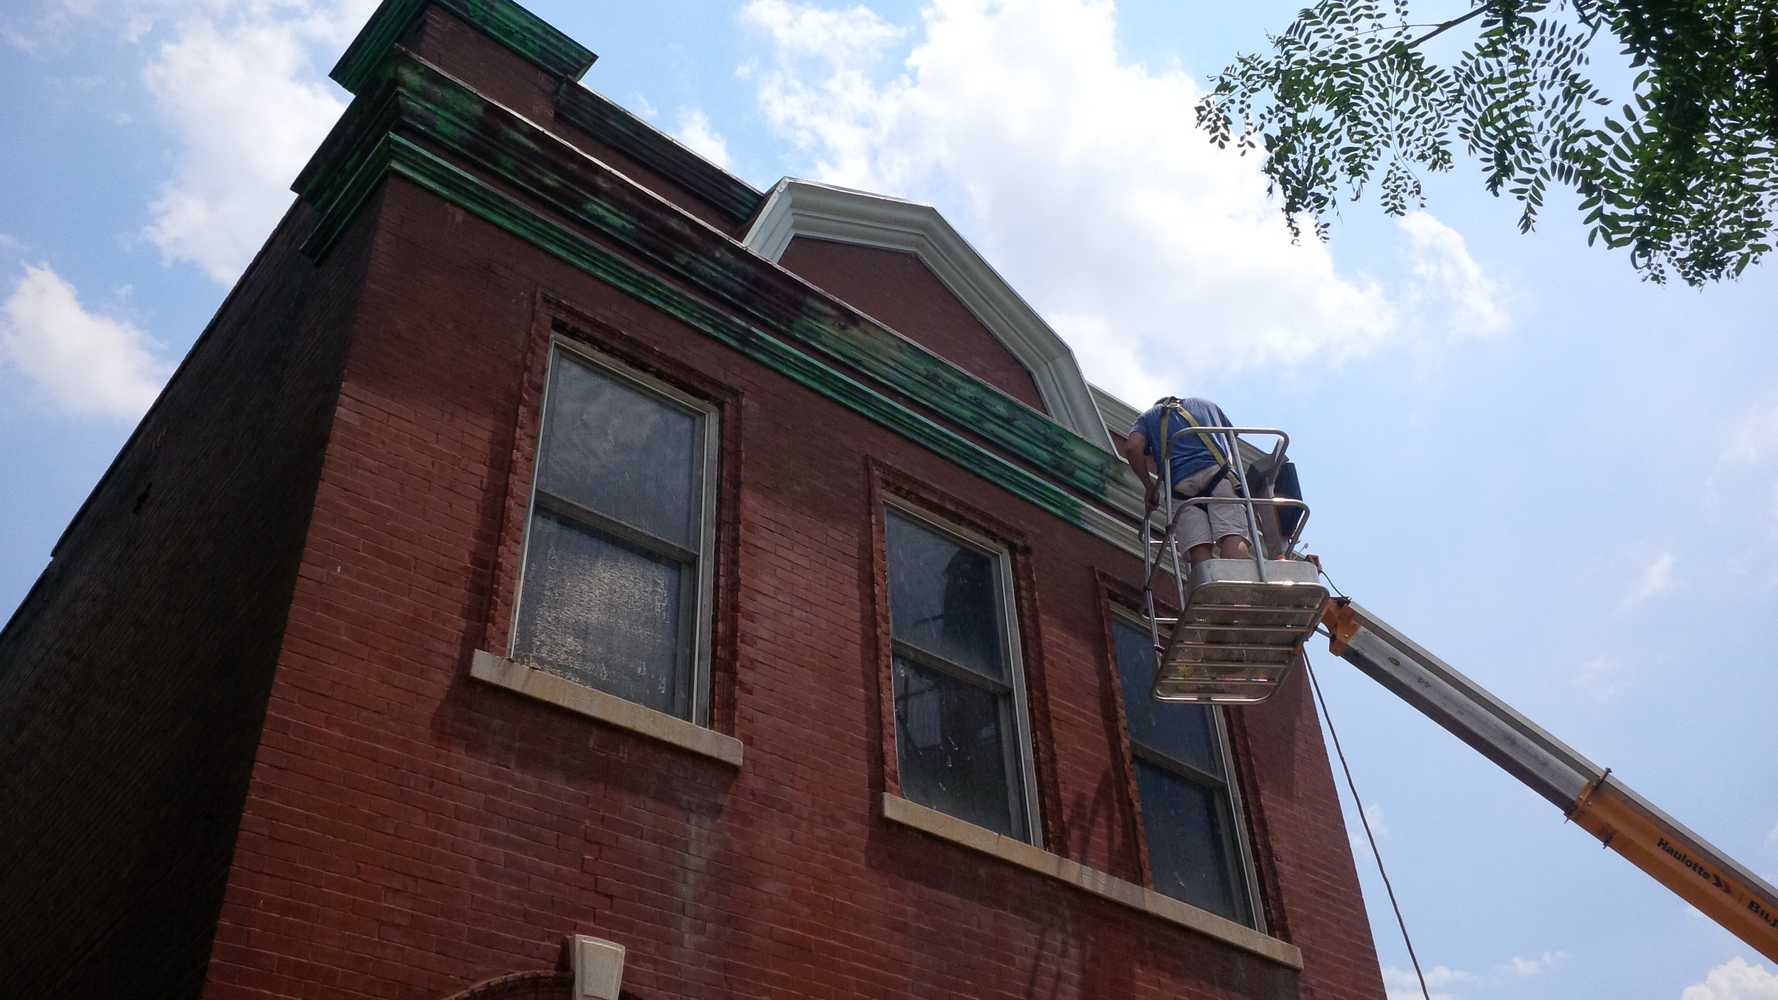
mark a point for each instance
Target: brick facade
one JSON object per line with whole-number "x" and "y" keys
{"x": 134, "y": 676}
{"x": 899, "y": 290}
{"x": 365, "y": 429}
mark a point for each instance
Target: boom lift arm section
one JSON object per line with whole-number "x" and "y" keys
{"x": 1648, "y": 838}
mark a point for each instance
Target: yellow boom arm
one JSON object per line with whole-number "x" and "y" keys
{"x": 1721, "y": 889}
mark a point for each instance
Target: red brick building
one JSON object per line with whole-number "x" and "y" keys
{"x": 552, "y": 535}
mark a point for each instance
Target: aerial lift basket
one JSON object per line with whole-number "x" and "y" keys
{"x": 1241, "y": 622}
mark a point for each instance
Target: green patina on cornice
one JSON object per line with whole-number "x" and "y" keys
{"x": 422, "y": 105}
{"x": 373, "y": 115}
{"x": 338, "y": 211}
{"x": 610, "y": 124}
{"x": 468, "y": 192}
{"x": 506, "y": 22}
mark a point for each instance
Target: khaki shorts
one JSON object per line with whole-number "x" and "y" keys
{"x": 1212, "y": 522}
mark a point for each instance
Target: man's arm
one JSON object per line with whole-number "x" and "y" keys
{"x": 1135, "y": 449}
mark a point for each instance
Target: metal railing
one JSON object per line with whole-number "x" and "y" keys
{"x": 1166, "y": 547}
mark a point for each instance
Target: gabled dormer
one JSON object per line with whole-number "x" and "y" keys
{"x": 903, "y": 264}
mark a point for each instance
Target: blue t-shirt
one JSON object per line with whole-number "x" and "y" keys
{"x": 1189, "y": 453}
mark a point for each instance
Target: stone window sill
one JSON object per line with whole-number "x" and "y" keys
{"x": 561, "y": 692}
{"x": 930, "y": 821}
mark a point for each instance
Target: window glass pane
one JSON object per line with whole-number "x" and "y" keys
{"x": 951, "y": 743}
{"x": 629, "y": 455}
{"x": 943, "y": 597}
{"x": 1184, "y": 732}
{"x": 1186, "y": 850}
{"x": 600, "y": 613}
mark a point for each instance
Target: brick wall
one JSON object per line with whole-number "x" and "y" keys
{"x": 906, "y": 296}
{"x": 133, "y": 677}
{"x": 1294, "y": 808}
{"x": 310, "y": 532}
{"x": 410, "y": 831}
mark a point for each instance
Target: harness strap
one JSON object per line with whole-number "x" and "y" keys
{"x": 1164, "y": 447}
{"x": 1210, "y": 485}
{"x": 1223, "y": 465}
{"x": 1209, "y": 440}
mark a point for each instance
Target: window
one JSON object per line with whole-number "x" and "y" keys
{"x": 615, "y": 588}
{"x": 960, "y": 720}
{"x": 1189, "y": 804}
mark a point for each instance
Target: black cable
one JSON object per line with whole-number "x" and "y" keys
{"x": 1362, "y": 818}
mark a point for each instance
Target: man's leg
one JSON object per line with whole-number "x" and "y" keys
{"x": 1194, "y": 533}
{"x": 1228, "y": 523}
{"x": 1194, "y": 530}
{"x": 1232, "y": 547}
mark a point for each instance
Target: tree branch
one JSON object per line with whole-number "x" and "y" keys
{"x": 1404, "y": 24}
{"x": 1437, "y": 30}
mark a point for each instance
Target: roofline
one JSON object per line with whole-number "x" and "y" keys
{"x": 1118, "y": 415}
{"x": 798, "y": 207}
{"x": 611, "y": 123}
{"x": 514, "y": 27}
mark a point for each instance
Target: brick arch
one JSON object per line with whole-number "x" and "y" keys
{"x": 540, "y": 985}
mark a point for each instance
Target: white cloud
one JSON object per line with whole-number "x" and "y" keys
{"x": 1527, "y": 967}
{"x": 213, "y": 69}
{"x": 1655, "y": 579}
{"x": 1755, "y": 436}
{"x": 1600, "y": 678}
{"x": 18, "y": 39}
{"x": 83, "y": 362}
{"x": 46, "y": 25}
{"x": 1079, "y": 174}
{"x": 696, "y": 133}
{"x": 1402, "y": 984}
{"x": 1355, "y": 829}
{"x": 11, "y": 244}
{"x": 1373, "y": 814}
{"x": 1443, "y": 975}
{"x": 1746, "y": 468}
{"x": 845, "y": 37}
{"x": 214, "y": 74}
{"x": 1441, "y": 261}
{"x": 1735, "y": 980}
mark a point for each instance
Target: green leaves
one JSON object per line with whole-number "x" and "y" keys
{"x": 1684, "y": 173}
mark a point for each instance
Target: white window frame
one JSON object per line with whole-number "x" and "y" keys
{"x": 695, "y": 625}
{"x": 1235, "y": 838}
{"x": 1020, "y": 711}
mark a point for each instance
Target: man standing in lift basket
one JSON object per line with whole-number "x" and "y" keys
{"x": 1200, "y": 468}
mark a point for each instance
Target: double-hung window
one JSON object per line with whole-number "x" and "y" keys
{"x": 616, "y": 584}
{"x": 961, "y": 735}
{"x": 1189, "y": 803}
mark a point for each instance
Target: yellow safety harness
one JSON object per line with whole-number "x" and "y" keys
{"x": 1163, "y": 449}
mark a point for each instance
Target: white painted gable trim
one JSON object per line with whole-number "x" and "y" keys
{"x": 819, "y": 211}
{"x": 1119, "y": 415}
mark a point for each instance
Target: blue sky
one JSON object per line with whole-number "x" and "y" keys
{"x": 1561, "y": 479}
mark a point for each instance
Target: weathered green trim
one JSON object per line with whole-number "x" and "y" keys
{"x": 379, "y": 35}
{"x": 336, "y": 161}
{"x": 470, "y": 193}
{"x": 339, "y": 212}
{"x": 635, "y": 138}
{"x": 455, "y": 119}
{"x": 526, "y": 34}
{"x": 428, "y": 108}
